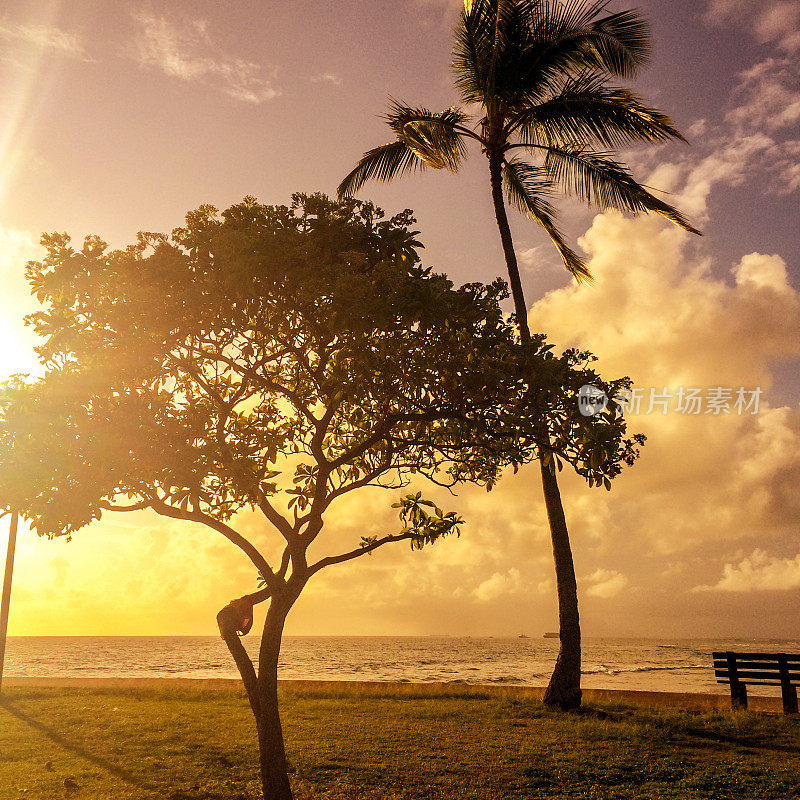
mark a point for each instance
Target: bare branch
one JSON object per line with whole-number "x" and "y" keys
{"x": 134, "y": 507}
{"x": 327, "y": 562}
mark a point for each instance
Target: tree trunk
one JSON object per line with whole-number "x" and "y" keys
{"x": 564, "y": 689}
{"x": 520, "y": 309}
{"x": 272, "y": 755}
{"x": 262, "y": 692}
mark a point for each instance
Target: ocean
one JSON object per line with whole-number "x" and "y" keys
{"x": 669, "y": 665}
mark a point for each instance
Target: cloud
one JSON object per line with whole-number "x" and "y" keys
{"x": 605, "y": 583}
{"x": 188, "y": 53}
{"x": 499, "y": 584}
{"x": 704, "y": 484}
{"x": 758, "y": 572}
{"x": 53, "y": 40}
{"x": 141, "y": 564}
{"x": 763, "y": 272}
{"x": 768, "y": 95}
{"x": 327, "y": 77}
{"x": 757, "y": 136}
{"x": 775, "y": 21}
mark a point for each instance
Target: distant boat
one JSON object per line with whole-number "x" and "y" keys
{"x": 550, "y": 635}
{"x": 522, "y": 636}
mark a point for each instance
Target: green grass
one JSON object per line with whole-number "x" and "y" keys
{"x": 386, "y": 743}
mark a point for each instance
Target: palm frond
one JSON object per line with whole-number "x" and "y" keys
{"x": 618, "y": 43}
{"x": 511, "y": 25}
{"x": 527, "y": 188}
{"x": 382, "y": 164}
{"x": 568, "y": 37}
{"x": 490, "y": 39}
{"x": 622, "y": 42}
{"x": 432, "y": 137}
{"x": 586, "y": 111}
{"x": 472, "y": 52}
{"x": 599, "y": 180}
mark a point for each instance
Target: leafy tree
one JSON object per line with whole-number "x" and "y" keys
{"x": 275, "y": 359}
{"x": 539, "y": 72}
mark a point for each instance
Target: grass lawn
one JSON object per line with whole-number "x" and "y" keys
{"x": 387, "y": 743}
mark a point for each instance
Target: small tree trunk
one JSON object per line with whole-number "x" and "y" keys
{"x": 564, "y": 689}
{"x": 271, "y": 751}
{"x": 262, "y": 692}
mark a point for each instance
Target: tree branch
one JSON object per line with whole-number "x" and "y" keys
{"x": 134, "y": 507}
{"x": 327, "y": 562}
{"x": 229, "y": 533}
{"x": 227, "y": 620}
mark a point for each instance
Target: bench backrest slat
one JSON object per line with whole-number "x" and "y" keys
{"x": 757, "y": 657}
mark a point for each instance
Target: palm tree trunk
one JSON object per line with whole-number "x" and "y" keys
{"x": 564, "y": 689}
{"x": 520, "y": 309}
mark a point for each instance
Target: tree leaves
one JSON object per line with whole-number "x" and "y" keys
{"x": 598, "y": 179}
{"x": 286, "y": 354}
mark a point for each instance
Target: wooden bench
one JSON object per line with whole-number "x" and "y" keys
{"x": 765, "y": 669}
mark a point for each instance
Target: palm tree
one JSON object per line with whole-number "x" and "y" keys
{"x": 539, "y": 72}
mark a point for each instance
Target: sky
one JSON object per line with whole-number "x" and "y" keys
{"x": 117, "y": 117}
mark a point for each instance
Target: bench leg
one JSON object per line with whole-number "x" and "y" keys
{"x": 738, "y": 696}
{"x": 789, "y": 694}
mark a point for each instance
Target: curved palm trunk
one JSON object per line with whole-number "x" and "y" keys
{"x": 262, "y": 692}
{"x": 564, "y": 689}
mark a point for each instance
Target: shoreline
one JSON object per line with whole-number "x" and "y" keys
{"x": 685, "y": 700}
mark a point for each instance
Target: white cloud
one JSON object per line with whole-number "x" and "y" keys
{"x": 768, "y": 96}
{"x": 661, "y": 316}
{"x": 327, "y": 77}
{"x": 605, "y": 583}
{"x": 758, "y": 135}
{"x": 763, "y": 272}
{"x": 758, "y": 572}
{"x": 499, "y": 584}
{"x": 47, "y": 38}
{"x": 767, "y": 20}
{"x": 187, "y": 52}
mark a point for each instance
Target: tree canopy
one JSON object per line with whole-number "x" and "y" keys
{"x": 276, "y": 358}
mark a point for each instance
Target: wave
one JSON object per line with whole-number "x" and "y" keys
{"x": 602, "y": 669}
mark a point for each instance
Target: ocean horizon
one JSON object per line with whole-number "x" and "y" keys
{"x": 629, "y": 663}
